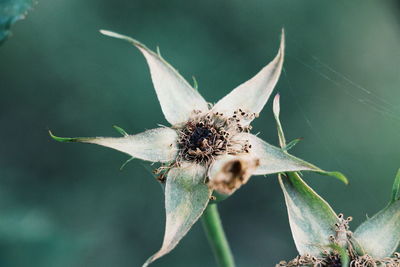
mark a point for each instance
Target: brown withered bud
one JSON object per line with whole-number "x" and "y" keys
{"x": 233, "y": 174}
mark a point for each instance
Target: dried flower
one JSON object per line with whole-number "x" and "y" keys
{"x": 208, "y": 147}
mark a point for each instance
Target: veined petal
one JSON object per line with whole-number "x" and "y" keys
{"x": 177, "y": 98}
{"x": 186, "y": 197}
{"x": 158, "y": 145}
{"x": 252, "y": 95}
{"x": 275, "y": 160}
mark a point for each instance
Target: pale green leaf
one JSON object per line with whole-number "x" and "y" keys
{"x": 292, "y": 144}
{"x": 311, "y": 218}
{"x": 186, "y": 197}
{"x": 379, "y": 236}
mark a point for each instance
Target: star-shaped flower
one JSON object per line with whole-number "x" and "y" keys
{"x": 207, "y": 148}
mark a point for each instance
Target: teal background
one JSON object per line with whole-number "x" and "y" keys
{"x": 69, "y": 205}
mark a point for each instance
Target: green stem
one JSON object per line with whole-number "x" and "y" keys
{"x": 216, "y": 236}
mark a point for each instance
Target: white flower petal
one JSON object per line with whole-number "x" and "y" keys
{"x": 229, "y": 172}
{"x": 177, "y": 98}
{"x": 252, "y": 95}
{"x": 273, "y": 159}
{"x": 158, "y": 145}
{"x": 186, "y": 197}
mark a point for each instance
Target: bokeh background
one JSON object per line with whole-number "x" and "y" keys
{"x": 69, "y": 205}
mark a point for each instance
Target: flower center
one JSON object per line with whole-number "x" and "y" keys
{"x": 200, "y": 138}
{"x": 206, "y": 136}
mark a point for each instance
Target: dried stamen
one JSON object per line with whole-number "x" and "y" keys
{"x": 206, "y": 136}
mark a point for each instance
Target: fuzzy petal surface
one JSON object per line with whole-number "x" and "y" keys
{"x": 274, "y": 159}
{"x": 379, "y": 236}
{"x": 157, "y": 145}
{"x": 252, "y": 95}
{"x": 186, "y": 197}
{"x": 311, "y": 218}
{"x": 177, "y": 98}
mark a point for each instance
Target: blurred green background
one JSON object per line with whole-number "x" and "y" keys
{"x": 69, "y": 205}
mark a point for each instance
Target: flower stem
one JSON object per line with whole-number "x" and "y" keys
{"x": 216, "y": 236}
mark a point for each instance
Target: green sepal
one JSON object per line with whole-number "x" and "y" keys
{"x": 337, "y": 175}
{"x": 356, "y": 246}
{"x": 195, "y": 84}
{"x": 67, "y": 139}
{"x": 311, "y": 218}
{"x": 158, "y": 51}
{"x": 396, "y": 188}
{"x": 126, "y": 162}
{"x": 344, "y": 256}
{"x": 120, "y": 130}
{"x": 218, "y": 197}
{"x": 292, "y": 144}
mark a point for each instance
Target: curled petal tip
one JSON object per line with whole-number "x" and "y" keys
{"x": 126, "y": 38}
{"x": 337, "y": 175}
{"x": 277, "y": 98}
{"x": 62, "y": 139}
{"x": 110, "y": 33}
{"x": 122, "y": 37}
{"x": 282, "y": 44}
